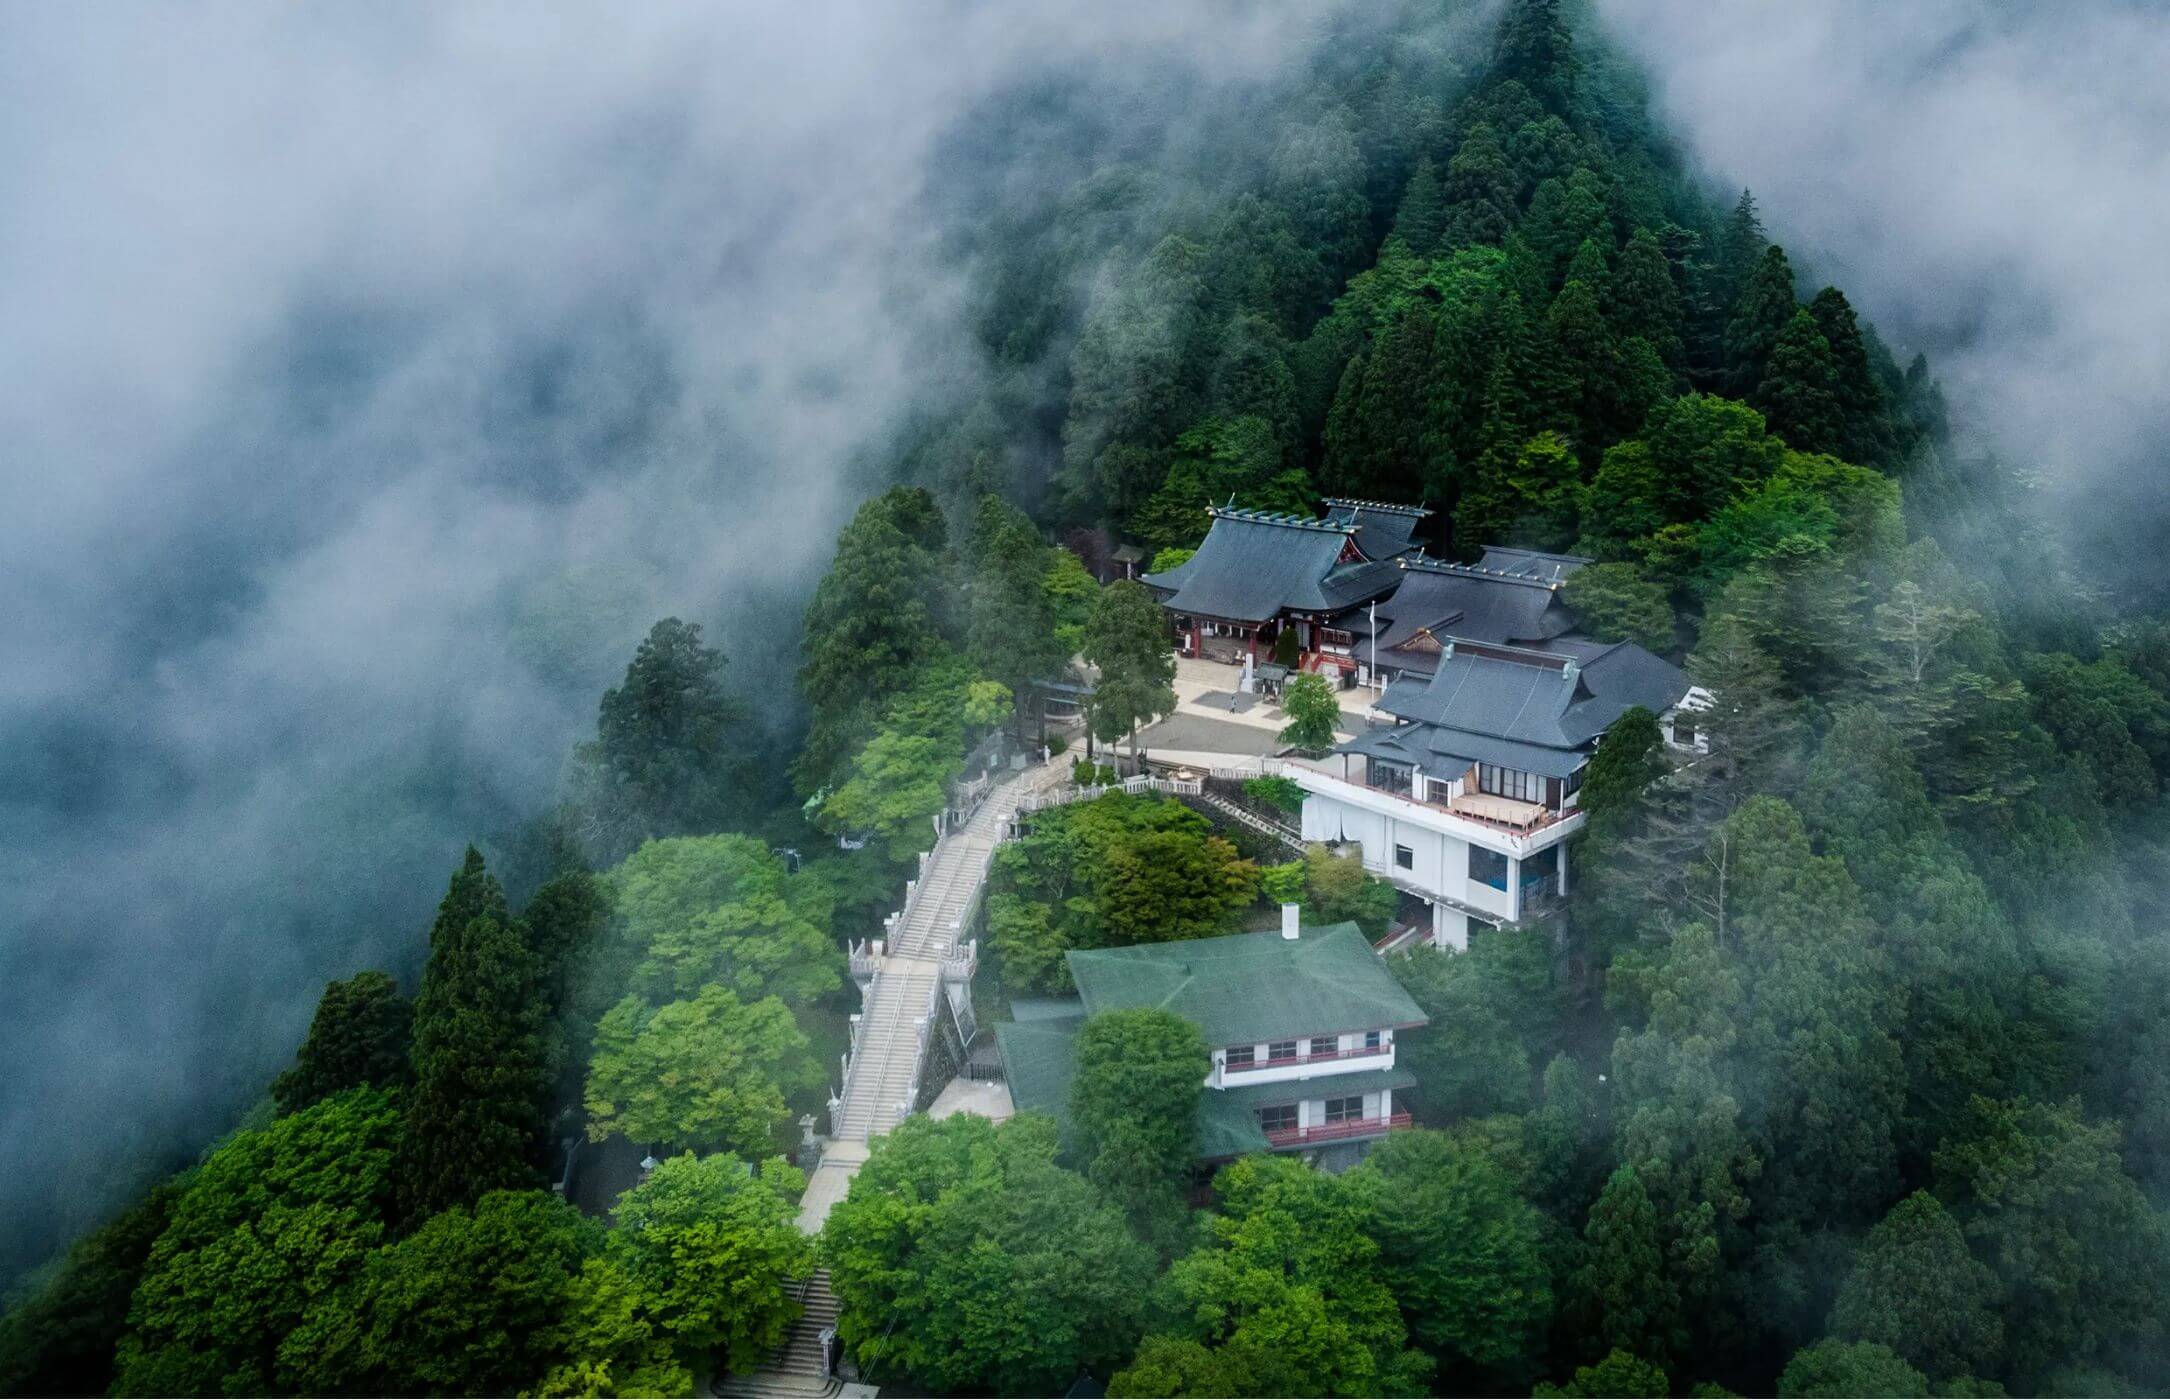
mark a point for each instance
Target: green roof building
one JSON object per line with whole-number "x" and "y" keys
{"x": 1301, "y": 1025}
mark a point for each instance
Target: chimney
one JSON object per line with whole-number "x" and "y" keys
{"x": 1291, "y": 921}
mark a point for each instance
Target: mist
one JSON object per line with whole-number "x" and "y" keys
{"x": 371, "y": 378}
{"x": 1989, "y": 184}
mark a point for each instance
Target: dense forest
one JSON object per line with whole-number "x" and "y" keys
{"x": 1846, "y": 1078}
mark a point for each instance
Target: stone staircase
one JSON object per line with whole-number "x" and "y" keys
{"x": 1236, "y": 811}
{"x": 799, "y": 1366}
{"x": 886, "y": 1063}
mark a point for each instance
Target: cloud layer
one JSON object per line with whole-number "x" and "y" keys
{"x": 1989, "y": 183}
{"x": 370, "y": 378}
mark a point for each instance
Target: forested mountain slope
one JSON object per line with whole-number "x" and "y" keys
{"x": 1847, "y": 1081}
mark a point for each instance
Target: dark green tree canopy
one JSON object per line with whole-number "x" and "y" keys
{"x": 357, "y": 1037}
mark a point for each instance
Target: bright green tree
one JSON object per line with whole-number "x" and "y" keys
{"x": 275, "y": 1220}
{"x": 697, "y": 910}
{"x": 1337, "y": 889}
{"x": 358, "y": 1036}
{"x": 965, "y": 1259}
{"x": 471, "y": 1303}
{"x": 1134, "y": 1111}
{"x": 1534, "y": 501}
{"x": 1461, "y": 1250}
{"x": 702, "y": 1074}
{"x": 714, "y": 1251}
{"x": 1169, "y": 885}
{"x": 1843, "y": 1370}
{"x": 1128, "y": 639}
{"x": 1313, "y": 713}
{"x": 1287, "y": 1289}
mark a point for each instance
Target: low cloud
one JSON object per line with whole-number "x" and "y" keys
{"x": 371, "y": 378}
{"x": 1989, "y": 183}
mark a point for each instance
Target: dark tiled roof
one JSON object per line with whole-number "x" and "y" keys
{"x": 1530, "y": 563}
{"x": 1454, "y": 601}
{"x": 1383, "y": 529}
{"x": 1537, "y": 699}
{"x": 1254, "y": 565}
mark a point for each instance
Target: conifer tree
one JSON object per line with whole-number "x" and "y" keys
{"x": 670, "y": 754}
{"x": 1532, "y": 46}
{"x": 1799, "y": 393}
{"x": 1643, "y": 299}
{"x": 1421, "y": 220}
{"x": 1633, "y": 1305}
{"x": 877, "y": 616}
{"x": 1917, "y": 1289}
{"x": 358, "y": 1036}
{"x": 1592, "y": 268}
{"x": 473, "y": 1115}
{"x": 1386, "y": 426}
{"x": 1739, "y": 248}
{"x": 1128, "y": 640}
{"x": 1480, "y": 191}
{"x": 1865, "y": 436}
{"x": 1760, "y": 316}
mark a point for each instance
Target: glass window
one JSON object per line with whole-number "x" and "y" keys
{"x": 1281, "y": 1050}
{"x": 1279, "y": 1118}
{"x": 1683, "y": 729}
{"x": 1242, "y": 1054}
{"x": 1488, "y": 867}
{"x": 1348, "y": 1110}
{"x": 1325, "y": 1044}
{"x": 1405, "y": 858}
{"x": 1373, "y": 1040}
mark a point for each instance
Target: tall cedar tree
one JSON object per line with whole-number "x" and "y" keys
{"x": 1128, "y": 639}
{"x": 1739, "y": 248}
{"x": 1480, "y": 190}
{"x": 1533, "y": 47}
{"x": 1643, "y": 299}
{"x": 877, "y": 616}
{"x": 1386, "y": 425}
{"x": 1010, "y": 630}
{"x": 1799, "y": 394}
{"x": 474, "y": 1115}
{"x": 1866, "y": 435}
{"x": 358, "y": 1036}
{"x": 1760, "y": 316}
{"x": 1421, "y": 221}
{"x": 669, "y": 756}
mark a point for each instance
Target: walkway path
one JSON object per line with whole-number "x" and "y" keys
{"x": 907, "y": 980}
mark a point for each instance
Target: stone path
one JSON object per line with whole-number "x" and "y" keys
{"x": 881, "y": 1084}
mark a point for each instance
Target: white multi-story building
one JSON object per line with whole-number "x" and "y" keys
{"x": 1300, "y": 1022}
{"x": 1466, "y": 798}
